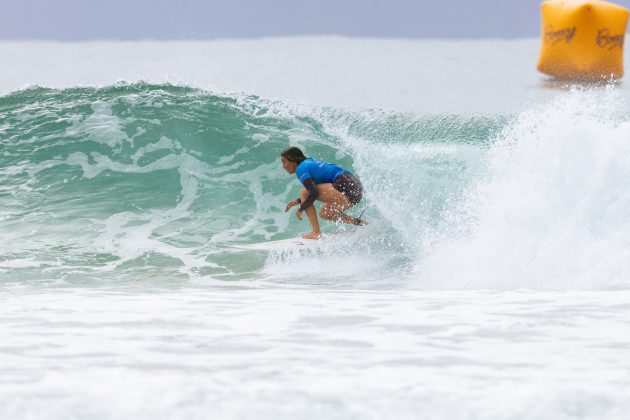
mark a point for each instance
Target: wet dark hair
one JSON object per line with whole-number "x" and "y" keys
{"x": 293, "y": 154}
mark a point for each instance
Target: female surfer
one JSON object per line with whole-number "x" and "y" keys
{"x": 337, "y": 188}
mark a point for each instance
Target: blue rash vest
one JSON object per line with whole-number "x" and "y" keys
{"x": 321, "y": 172}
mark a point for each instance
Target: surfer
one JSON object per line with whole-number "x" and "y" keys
{"x": 337, "y": 188}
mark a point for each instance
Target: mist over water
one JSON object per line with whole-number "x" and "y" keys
{"x": 548, "y": 211}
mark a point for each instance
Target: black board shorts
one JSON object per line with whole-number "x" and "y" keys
{"x": 349, "y": 186}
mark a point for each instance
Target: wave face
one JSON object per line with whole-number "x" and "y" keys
{"x": 158, "y": 182}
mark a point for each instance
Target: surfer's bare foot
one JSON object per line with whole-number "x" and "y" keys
{"x": 311, "y": 235}
{"x": 360, "y": 222}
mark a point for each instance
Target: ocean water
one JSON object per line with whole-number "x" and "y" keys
{"x": 492, "y": 282}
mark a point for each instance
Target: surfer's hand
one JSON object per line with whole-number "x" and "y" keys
{"x": 298, "y": 214}
{"x": 291, "y": 204}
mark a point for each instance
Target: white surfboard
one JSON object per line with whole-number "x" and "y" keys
{"x": 293, "y": 243}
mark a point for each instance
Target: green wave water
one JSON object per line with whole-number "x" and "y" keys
{"x": 140, "y": 179}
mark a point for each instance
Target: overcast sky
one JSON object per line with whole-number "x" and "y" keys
{"x": 207, "y": 19}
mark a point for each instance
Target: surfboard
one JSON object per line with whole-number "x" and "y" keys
{"x": 293, "y": 243}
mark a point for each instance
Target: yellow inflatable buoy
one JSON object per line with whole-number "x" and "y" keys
{"x": 582, "y": 40}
